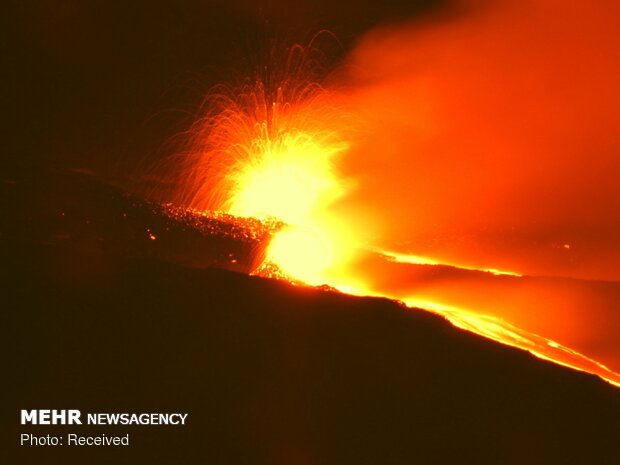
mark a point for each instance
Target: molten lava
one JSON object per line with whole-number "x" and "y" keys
{"x": 271, "y": 152}
{"x": 290, "y": 176}
{"x": 276, "y": 150}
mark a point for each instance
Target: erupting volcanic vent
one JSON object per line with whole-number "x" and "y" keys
{"x": 268, "y": 150}
{"x": 278, "y": 148}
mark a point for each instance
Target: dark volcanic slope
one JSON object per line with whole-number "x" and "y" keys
{"x": 270, "y": 373}
{"x": 74, "y": 210}
{"x": 275, "y": 374}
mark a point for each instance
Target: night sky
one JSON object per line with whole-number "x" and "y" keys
{"x": 105, "y": 85}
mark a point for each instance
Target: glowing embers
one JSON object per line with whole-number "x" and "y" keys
{"x": 290, "y": 178}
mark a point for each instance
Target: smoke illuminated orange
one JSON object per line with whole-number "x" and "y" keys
{"x": 358, "y": 204}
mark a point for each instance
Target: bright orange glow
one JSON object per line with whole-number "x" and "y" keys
{"x": 502, "y": 331}
{"x": 469, "y": 178}
{"x": 290, "y": 178}
{"x": 302, "y": 254}
{"x": 418, "y": 260}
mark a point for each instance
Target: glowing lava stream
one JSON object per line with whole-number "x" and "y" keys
{"x": 315, "y": 249}
{"x": 254, "y": 159}
{"x": 418, "y": 260}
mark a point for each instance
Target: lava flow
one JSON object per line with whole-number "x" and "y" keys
{"x": 275, "y": 148}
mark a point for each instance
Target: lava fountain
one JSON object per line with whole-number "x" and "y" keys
{"x": 270, "y": 151}
{"x": 272, "y": 148}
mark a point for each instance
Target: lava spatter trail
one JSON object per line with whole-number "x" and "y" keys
{"x": 271, "y": 150}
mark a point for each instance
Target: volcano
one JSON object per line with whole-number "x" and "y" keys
{"x": 390, "y": 240}
{"x": 115, "y": 304}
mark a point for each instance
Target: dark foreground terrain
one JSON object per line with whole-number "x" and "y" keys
{"x": 268, "y": 373}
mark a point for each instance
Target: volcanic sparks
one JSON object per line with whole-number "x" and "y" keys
{"x": 290, "y": 177}
{"x": 272, "y": 152}
{"x": 269, "y": 150}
